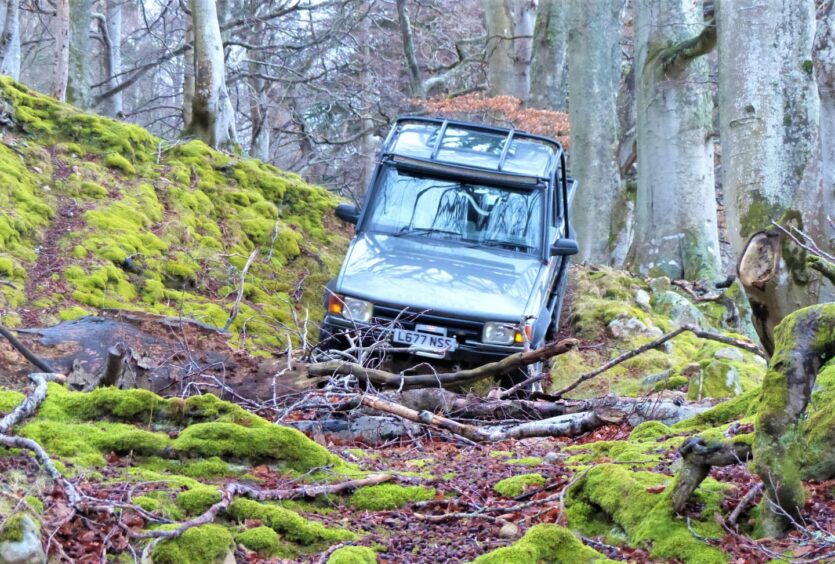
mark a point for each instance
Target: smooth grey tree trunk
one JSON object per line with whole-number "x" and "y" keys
{"x": 10, "y": 39}
{"x": 594, "y": 74}
{"x": 824, "y": 59}
{"x": 78, "y": 80}
{"x": 676, "y": 224}
{"x": 61, "y": 50}
{"x": 769, "y": 116}
{"x": 112, "y": 106}
{"x": 259, "y": 103}
{"x": 212, "y": 115}
{"x": 509, "y": 39}
{"x": 415, "y": 79}
{"x": 549, "y": 60}
{"x": 188, "y": 78}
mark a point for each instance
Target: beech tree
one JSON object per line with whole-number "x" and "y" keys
{"x": 593, "y": 84}
{"x": 769, "y": 119}
{"x": 111, "y": 30}
{"x": 78, "y": 78}
{"x": 549, "y": 59}
{"x": 510, "y": 26}
{"x": 212, "y": 115}
{"x": 10, "y": 38}
{"x": 824, "y": 60}
{"x": 676, "y": 222}
{"x": 61, "y": 49}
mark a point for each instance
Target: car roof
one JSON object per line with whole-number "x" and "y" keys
{"x": 473, "y": 146}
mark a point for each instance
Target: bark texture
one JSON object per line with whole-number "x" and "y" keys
{"x": 112, "y": 28}
{"x": 698, "y": 457}
{"x": 549, "y": 59}
{"x": 593, "y": 86}
{"x": 212, "y": 115}
{"x": 824, "y": 59}
{"x": 769, "y": 113}
{"x": 60, "y": 28}
{"x": 78, "y": 78}
{"x": 415, "y": 79}
{"x": 10, "y": 38}
{"x": 676, "y": 225}
{"x": 510, "y": 26}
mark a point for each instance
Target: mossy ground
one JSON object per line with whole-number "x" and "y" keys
{"x": 155, "y": 227}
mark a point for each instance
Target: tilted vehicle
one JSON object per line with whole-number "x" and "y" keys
{"x": 462, "y": 244}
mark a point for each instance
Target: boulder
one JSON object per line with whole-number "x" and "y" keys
{"x": 25, "y": 546}
{"x": 678, "y": 308}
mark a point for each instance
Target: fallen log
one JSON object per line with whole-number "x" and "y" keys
{"x": 381, "y": 378}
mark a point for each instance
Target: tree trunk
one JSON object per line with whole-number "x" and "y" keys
{"x": 509, "y": 38}
{"x": 824, "y": 59}
{"x": 78, "y": 79}
{"x": 676, "y": 223}
{"x": 593, "y": 84}
{"x": 112, "y": 106}
{"x": 188, "y": 78}
{"x": 549, "y": 60}
{"x": 10, "y": 40}
{"x": 61, "y": 50}
{"x": 259, "y": 105}
{"x": 213, "y": 117}
{"x": 769, "y": 113}
{"x": 415, "y": 79}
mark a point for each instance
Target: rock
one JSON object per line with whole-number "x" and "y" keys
{"x": 627, "y": 327}
{"x": 552, "y": 457}
{"x": 509, "y": 531}
{"x": 729, "y": 353}
{"x": 652, "y": 379}
{"x": 661, "y": 284}
{"x": 678, "y": 308}
{"x": 28, "y": 550}
{"x": 717, "y": 380}
{"x": 760, "y": 361}
{"x": 643, "y": 300}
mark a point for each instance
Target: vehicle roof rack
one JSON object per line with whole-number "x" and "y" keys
{"x": 473, "y": 146}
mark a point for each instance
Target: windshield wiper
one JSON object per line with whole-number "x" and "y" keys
{"x": 414, "y": 231}
{"x": 503, "y": 245}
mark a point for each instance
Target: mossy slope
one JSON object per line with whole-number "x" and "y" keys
{"x": 141, "y": 224}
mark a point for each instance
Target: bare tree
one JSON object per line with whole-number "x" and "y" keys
{"x": 10, "y": 38}
{"x": 61, "y": 51}
{"x": 213, "y": 118}
{"x": 824, "y": 60}
{"x": 510, "y": 26}
{"x": 111, "y": 30}
{"x": 78, "y": 79}
{"x": 676, "y": 218}
{"x": 415, "y": 79}
{"x": 549, "y": 60}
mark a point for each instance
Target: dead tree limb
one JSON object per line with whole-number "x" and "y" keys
{"x": 742, "y": 344}
{"x": 698, "y": 457}
{"x": 114, "y": 367}
{"x": 743, "y": 504}
{"x": 237, "y": 305}
{"x": 39, "y": 363}
{"x": 382, "y": 378}
{"x": 235, "y": 489}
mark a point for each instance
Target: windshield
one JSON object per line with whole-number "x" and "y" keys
{"x": 489, "y": 216}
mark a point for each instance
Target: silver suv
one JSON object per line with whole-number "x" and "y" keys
{"x": 462, "y": 244}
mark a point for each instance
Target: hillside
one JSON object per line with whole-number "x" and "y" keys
{"x": 99, "y": 214}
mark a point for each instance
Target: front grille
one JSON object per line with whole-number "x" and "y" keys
{"x": 407, "y": 318}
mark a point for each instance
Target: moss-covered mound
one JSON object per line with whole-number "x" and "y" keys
{"x": 624, "y": 312}
{"x": 544, "y": 543}
{"x": 101, "y": 214}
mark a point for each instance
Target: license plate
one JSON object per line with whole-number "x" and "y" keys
{"x": 424, "y": 341}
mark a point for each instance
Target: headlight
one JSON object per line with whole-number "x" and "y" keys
{"x": 357, "y": 310}
{"x": 498, "y": 333}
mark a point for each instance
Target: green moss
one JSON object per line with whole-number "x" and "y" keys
{"x": 262, "y": 540}
{"x": 526, "y": 461}
{"x": 649, "y": 430}
{"x": 289, "y": 524}
{"x": 388, "y": 496}
{"x": 70, "y": 313}
{"x": 197, "y": 500}
{"x": 516, "y": 485}
{"x": 207, "y": 544}
{"x": 115, "y": 160}
{"x": 544, "y": 543}
{"x": 147, "y": 503}
{"x": 731, "y": 410}
{"x": 12, "y": 530}
{"x": 34, "y": 503}
{"x": 353, "y": 555}
{"x": 620, "y": 497}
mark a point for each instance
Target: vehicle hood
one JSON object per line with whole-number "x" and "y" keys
{"x": 440, "y": 276}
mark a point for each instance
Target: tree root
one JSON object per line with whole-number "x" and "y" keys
{"x": 698, "y": 458}
{"x": 231, "y": 490}
{"x": 399, "y": 381}
{"x": 38, "y": 362}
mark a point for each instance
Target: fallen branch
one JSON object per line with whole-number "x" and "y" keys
{"x": 231, "y": 490}
{"x": 698, "y": 458}
{"x": 701, "y": 333}
{"x": 743, "y": 504}
{"x": 39, "y": 363}
{"x": 399, "y": 381}
{"x": 237, "y": 306}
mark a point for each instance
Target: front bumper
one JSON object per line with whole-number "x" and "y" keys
{"x": 468, "y": 350}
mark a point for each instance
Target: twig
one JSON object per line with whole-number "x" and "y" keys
{"x": 527, "y": 382}
{"x": 235, "y": 489}
{"x": 29, "y": 355}
{"x": 743, "y": 504}
{"x": 745, "y": 345}
{"x": 236, "y": 307}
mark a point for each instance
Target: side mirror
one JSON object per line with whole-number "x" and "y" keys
{"x": 564, "y": 248}
{"x": 348, "y": 213}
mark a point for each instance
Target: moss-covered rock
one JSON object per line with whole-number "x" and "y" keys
{"x": 515, "y": 485}
{"x": 389, "y": 496}
{"x": 544, "y": 543}
{"x": 353, "y": 555}
{"x": 289, "y": 524}
{"x": 207, "y": 544}
{"x": 263, "y": 540}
